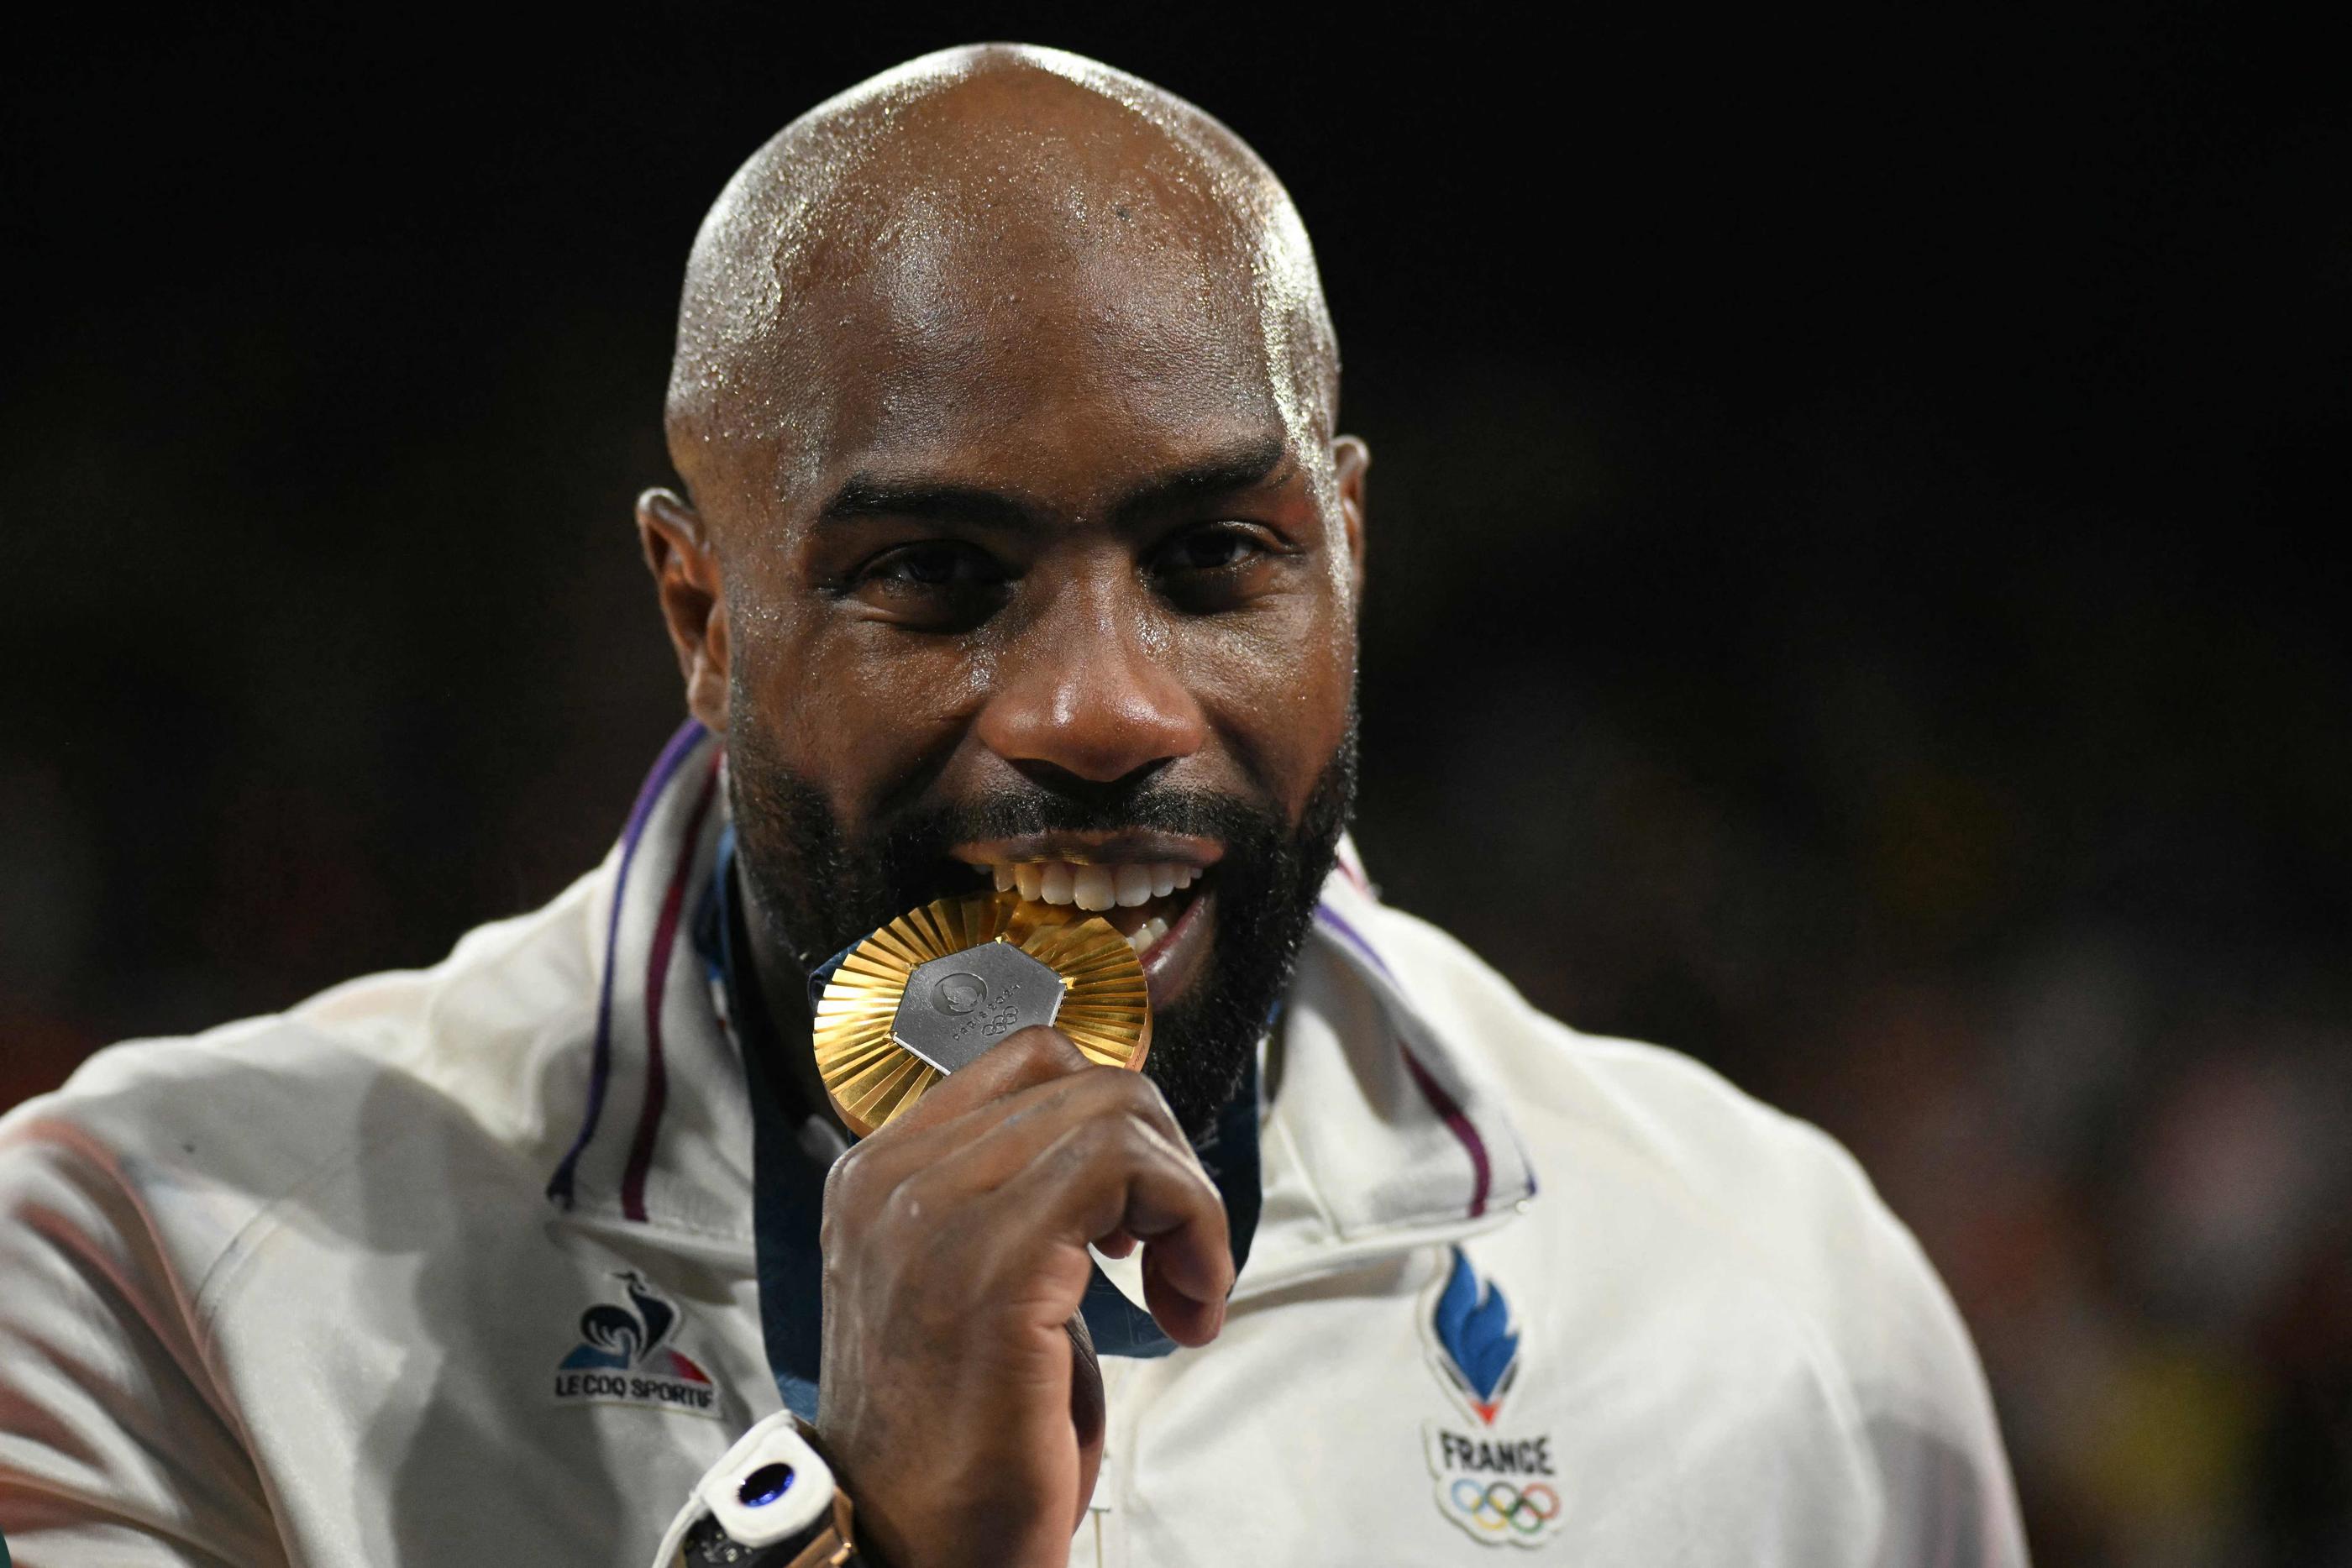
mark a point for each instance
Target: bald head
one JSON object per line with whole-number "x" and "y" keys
{"x": 970, "y": 209}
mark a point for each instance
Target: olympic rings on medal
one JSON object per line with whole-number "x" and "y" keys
{"x": 1498, "y": 1505}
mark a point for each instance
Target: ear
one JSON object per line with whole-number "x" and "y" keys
{"x": 1349, "y": 460}
{"x": 693, "y": 602}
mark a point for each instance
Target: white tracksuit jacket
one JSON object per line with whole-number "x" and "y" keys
{"x": 293, "y": 1292}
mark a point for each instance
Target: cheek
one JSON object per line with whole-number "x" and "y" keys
{"x": 1278, "y": 688}
{"x": 855, "y": 708}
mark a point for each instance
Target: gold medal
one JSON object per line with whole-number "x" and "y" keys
{"x": 929, "y": 992}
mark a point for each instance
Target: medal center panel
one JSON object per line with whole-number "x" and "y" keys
{"x": 957, "y": 1007}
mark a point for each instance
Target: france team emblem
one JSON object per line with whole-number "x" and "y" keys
{"x": 1497, "y": 1482}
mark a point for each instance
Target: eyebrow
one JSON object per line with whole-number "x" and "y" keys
{"x": 1240, "y": 468}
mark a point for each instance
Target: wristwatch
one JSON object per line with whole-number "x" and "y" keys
{"x": 769, "y": 1502}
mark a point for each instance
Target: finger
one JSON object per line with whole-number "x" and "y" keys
{"x": 1021, "y": 1060}
{"x": 1171, "y": 1307}
{"x": 994, "y": 1145}
{"x": 1115, "y": 1174}
{"x": 979, "y": 1096}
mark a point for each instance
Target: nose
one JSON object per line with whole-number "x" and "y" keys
{"x": 1087, "y": 696}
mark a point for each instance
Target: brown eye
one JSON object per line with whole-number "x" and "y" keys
{"x": 1211, "y": 548}
{"x": 1219, "y": 567}
{"x": 937, "y": 565}
{"x": 936, "y": 585}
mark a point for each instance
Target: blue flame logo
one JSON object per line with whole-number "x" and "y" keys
{"x": 1472, "y": 1325}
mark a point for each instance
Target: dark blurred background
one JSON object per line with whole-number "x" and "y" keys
{"x": 1857, "y": 591}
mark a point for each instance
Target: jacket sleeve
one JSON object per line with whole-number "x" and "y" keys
{"x": 1928, "y": 1417}
{"x": 116, "y": 1444}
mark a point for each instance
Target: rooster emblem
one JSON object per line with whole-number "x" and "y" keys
{"x": 634, "y": 1337}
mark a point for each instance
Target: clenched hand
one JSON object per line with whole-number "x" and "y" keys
{"x": 961, "y": 1402}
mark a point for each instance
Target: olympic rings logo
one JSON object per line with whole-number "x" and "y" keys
{"x": 1498, "y": 1505}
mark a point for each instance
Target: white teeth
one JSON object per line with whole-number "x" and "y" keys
{"x": 1127, "y": 885}
{"x": 1149, "y": 932}
{"x": 1094, "y": 887}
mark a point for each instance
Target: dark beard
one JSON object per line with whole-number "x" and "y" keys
{"x": 816, "y": 891}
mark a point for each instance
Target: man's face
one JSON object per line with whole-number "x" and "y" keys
{"x": 1051, "y": 582}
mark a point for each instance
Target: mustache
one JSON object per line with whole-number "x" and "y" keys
{"x": 931, "y": 830}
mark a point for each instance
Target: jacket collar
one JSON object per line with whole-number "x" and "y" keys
{"x": 1384, "y": 1128}
{"x": 664, "y": 1128}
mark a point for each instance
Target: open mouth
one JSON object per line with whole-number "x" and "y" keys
{"x": 1155, "y": 894}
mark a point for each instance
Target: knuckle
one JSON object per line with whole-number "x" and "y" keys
{"x": 1119, "y": 1139}
{"x": 1139, "y": 1099}
{"x": 905, "y": 1205}
{"x": 849, "y": 1187}
{"x": 1078, "y": 1148}
{"x": 1141, "y": 1093}
{"x": 1043, "y": 1049}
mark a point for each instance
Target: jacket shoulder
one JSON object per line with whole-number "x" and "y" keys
{"x": 202, "y": 1134}
{"x": 1655, "y": 1130}
{"x": 1659, "y": 1170}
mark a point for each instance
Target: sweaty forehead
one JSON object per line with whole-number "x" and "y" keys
{"x": 980, "y": 251}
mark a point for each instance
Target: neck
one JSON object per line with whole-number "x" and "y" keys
{"x": 780, "y": 1024}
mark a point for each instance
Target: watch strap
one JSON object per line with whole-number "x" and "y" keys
{"x": 834, "y": 1545}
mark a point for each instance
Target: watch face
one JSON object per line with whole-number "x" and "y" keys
{"x": 708, "y": 1545}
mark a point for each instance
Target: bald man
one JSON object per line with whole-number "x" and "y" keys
{"x": 1017, "y": 550}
